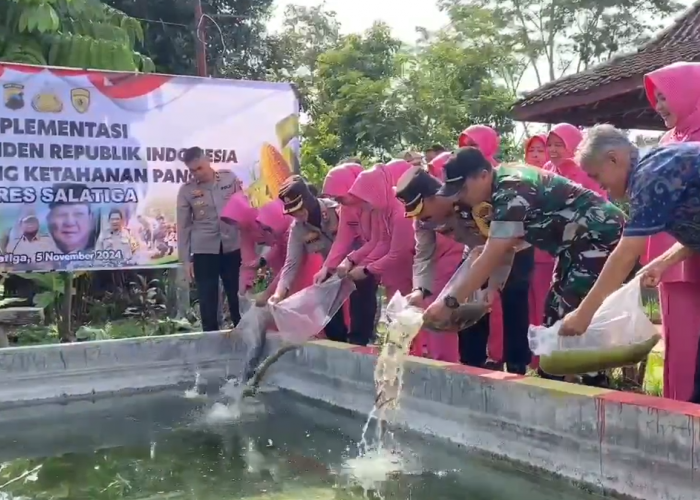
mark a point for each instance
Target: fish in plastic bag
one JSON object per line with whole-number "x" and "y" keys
{"x": 253, "y": 330}
{"x": 404, "y": 323}
{"x": 471, "y": 311}
{"x": 304, "y": 314}
{"x": 620, "y": 334}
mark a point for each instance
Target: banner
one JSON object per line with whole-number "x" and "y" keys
{"x": 91, "y": 162}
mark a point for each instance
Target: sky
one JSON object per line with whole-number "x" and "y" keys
{"x": 358, "y": 15}
{"x": 400, "y": 15}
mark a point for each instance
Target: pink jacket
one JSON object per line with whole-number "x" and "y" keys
{"x": 436, "y": 168}
{"x": 485, "y": 138}
{"x": 392, "y": 257}
{"x": 678, "y": 83}
{"x": 571, "y": 170}
{"x": 274, "y": 228}
{"x": 239, "y": 211}
{"x": 355, "y": 229}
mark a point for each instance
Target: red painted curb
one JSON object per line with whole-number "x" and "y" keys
{"x": 627, "y": 398}
{"x": 482, "y": 372}
{"x": 362, "y": 349}
{"x": 653, "y": 402}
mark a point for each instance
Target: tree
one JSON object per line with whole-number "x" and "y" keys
{"x": 454, "y": 78}
{"x": 571, "y": 35}
{"x": 235, "y": 35}
{"x": 356, "y": 109}
{"x": 307, "y": 32}
{"x": 74, "y": 33}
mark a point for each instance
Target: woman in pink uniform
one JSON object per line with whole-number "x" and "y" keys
{"x": 562, "y": 142}
{"x": 239, "y": 211}
{"x": 537, "y": 156}
{"x": 510, "y": 313}
{"x": 436, "y": 167}
{"x": 391, "y": 259}
{"x": 352, "y": 243}
{"x": 267, "y": 227}
{"x": 674, "y": 92}
{"x": 536, "y": 151}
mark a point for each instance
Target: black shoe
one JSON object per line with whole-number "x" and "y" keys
{"x": 516, "y": 368}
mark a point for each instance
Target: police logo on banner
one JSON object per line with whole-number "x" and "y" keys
{"x": 13, "y": 96}
{"x": 80, "y": 98}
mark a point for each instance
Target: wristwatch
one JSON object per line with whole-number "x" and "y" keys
{"x": 450, "y": 302}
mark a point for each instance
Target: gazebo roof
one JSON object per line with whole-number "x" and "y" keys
{"x": 613, "y": 92}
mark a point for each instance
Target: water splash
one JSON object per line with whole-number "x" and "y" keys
{"x": 193, "y": 392}
{"x": 379, "y": 457}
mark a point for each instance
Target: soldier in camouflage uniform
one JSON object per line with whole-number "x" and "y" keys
{"x": 572, "y": 223}
{"x": 435, "y": 217}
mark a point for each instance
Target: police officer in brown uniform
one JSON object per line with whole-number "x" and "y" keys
{"x": 313, "y": 231}
{"x": 208, "y": 248}
{"x": 418, "y": 190}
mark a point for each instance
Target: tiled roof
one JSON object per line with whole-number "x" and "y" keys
{"x": 679, "y": 42}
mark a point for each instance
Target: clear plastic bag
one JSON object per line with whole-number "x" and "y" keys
{"x": 404, "y": 321}
{"x": 620, "y": 334}
{"x": 304, "y": 314}
{"x": 245, "y": 302}
{"x": 468, "y": 313}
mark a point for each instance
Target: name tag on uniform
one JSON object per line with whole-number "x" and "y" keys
{"x": 353, "y": 223}
{"x": 227, "y": 186}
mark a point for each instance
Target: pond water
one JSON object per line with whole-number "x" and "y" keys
{"x": 166, "y": 446}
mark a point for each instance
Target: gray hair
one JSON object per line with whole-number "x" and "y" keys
{"x": 603, "y": 138}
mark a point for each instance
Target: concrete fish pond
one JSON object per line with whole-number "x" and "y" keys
{"x": 149, "y": 418}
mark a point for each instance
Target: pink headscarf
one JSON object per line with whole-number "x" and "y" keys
{"x": 543, "y": 139}
{"x": 485, "y": 138}
{"x": 679, "y": 83}
{"x": 272, "y": 215}
{"x": 570, "y": 136}
{"x": 375, "y": 187}
{"x": 396, "y": 169}
{"x": 571, "y": 170}
{"x": 239, "y": 211}
{"x": 340, "y": 179}
{"x": 437, "y": 166}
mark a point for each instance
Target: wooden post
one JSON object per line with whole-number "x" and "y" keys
{"x": 200, "y": 42}
{"x": 66, "y": 328}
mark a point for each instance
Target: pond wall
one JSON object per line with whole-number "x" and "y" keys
{"x": 634, "y": 445}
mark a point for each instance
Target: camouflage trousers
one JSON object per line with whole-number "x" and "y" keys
{"x": 575, "y": 272}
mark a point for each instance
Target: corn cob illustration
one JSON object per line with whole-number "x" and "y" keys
{"x": 273, "y": 168}
{"x": 287, "y": 129}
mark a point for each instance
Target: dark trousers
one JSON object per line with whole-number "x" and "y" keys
{"x": 515, "y": 302}
{"x": 208, "y": 268}
{"x": 695, "y": 398}
{"x": 516, "y": 320}
{"x": 473, "y": 342}
{"x": 363, "y": 308}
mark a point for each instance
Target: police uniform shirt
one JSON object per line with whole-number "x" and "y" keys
{"x": 118, "y": 241}
{"x": 199, "y": 226}
{"x": 304, "y": 238}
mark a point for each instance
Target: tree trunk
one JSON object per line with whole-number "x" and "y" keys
{"x": 65, "y": 329}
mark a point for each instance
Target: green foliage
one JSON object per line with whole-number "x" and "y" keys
{"x": 234, "y": 32}
{"x": 72, "y": 33}
{"x": 147, "y": 305}
{"x": 557, "y": 37}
